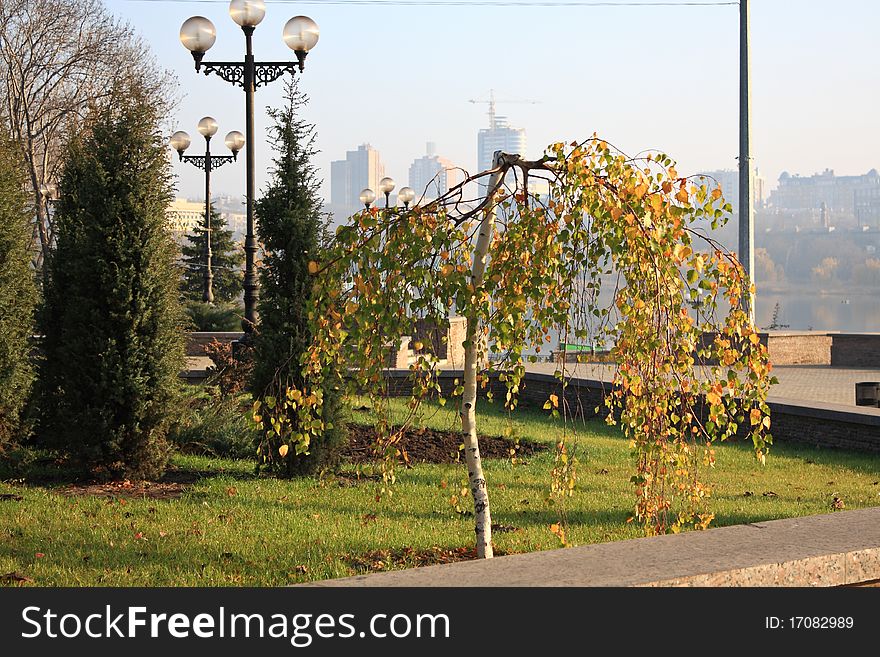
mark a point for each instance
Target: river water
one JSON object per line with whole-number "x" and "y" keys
{"x": 854, "y": 312}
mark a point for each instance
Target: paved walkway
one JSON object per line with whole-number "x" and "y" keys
{"x": 823, "y": 383}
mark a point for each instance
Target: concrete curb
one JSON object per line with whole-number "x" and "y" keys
{"x": 827, "y": 550}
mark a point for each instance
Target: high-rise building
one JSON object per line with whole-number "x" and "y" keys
{"x": 499, "y": 136}
{"x": 360, "y": 169}
{"x": 431, "y": 176}
{"x": 728, "y": 180}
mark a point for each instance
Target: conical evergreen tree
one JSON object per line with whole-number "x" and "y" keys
{"x": 290, "y": 226}
{"x": 227, "y": 259}
{"x": 112, "y": 321}
{"x": 18, "y": 296}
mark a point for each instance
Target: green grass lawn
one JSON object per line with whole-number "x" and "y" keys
{"x": 232, "y": 528}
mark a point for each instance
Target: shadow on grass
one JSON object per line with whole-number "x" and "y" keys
{"x": 40, "y": 468}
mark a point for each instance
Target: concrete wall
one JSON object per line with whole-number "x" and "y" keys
{"x": 807, "y": 348}
{"x": 196, "y": 341}
{"x": 856, "y": 350}
{"x": 812, "y": 423}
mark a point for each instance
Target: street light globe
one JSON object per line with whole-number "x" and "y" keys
{"x": 247, "y": 13}
{"x": 180, "y": 141}
{"x": 208, "y": 127}
{"x": 367, "y": 196}
{"x": 386, "y": 185}
{"x": 301, "y": 33}
{"x": 234, "y": 141}
{"x": 406, "y": 195}
{"x": 198, "y": 34}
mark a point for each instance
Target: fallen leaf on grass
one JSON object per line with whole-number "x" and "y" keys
{"x": 232, "y": 491}
{"x": 603, "y": 471}
{"x": 503, "y": 529}
{"x": 14, "y": 577}
{"x": 769, "y": 493}
{"x": 748, "y": 493}
{"x": 39, "y": 555}
{"x": 837, "y": 503}
{"x": 367, "y": 518}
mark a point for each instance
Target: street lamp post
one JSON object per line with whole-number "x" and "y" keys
{"x": 180, "y": 141}
{"x": 406, "y": 195}
{"x": 367, "y": 196}
{"x": 746, "y": 191}
{"x": 300, "y": 34}
{"x": 386, "y": 186}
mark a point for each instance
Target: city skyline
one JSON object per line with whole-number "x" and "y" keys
{"x": 814, "y": 86}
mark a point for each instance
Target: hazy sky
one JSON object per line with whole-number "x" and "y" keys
{"x": 642, "y": 77}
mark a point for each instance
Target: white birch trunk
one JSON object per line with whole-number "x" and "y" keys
{"x": 476, "y": 479}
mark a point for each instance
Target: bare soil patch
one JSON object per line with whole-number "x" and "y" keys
{"x": 381, "y": 560}
{"x": 432, "y": 446}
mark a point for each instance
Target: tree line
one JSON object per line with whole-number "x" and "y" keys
{"x": 93, "y": 298}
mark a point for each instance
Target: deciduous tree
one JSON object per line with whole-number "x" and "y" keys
{"x": 59, "y": 58}
{"x": 522, "y": 268}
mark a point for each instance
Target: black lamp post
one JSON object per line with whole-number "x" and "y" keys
{"x": 300, "y": 34}
{"x": 180, "y": 141}
{"x": 406, "y": 195}
{"x": 386, "y": 186}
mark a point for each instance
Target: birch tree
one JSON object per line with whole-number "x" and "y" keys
{"x": 523, "y": 267}
{"x": 61, "y": 58}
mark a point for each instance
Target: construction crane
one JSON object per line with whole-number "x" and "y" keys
{"x": 491, "y": 102}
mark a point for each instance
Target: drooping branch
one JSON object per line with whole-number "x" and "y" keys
{"x": 679, "y": 383}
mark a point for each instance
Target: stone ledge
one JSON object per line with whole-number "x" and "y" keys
{"x": 866, "y": 415}
{"x": 836, "y": 549}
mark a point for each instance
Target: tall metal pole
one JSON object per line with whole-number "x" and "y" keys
{"x": 251, "y": 283}
{"x": 208, "y": 294}
{"x": 746, "y": 199}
